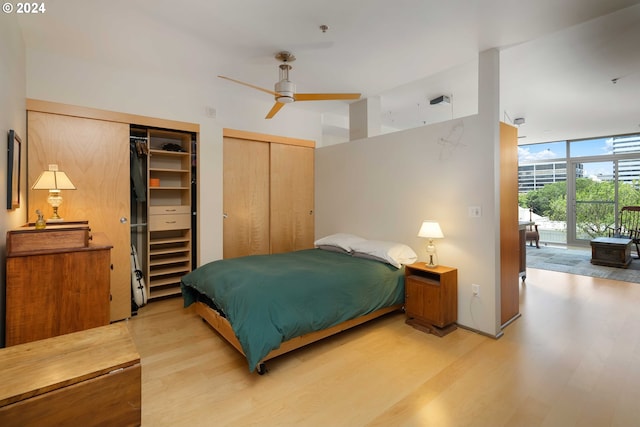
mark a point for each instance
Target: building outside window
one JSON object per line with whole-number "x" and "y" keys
{"x": 575, "y": 188}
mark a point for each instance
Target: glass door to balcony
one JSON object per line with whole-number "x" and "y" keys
{"x": 593, "y": 200}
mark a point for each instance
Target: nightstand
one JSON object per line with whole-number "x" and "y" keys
{"x": 431, "y": 298}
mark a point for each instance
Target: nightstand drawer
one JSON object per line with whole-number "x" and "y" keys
{"x": 169, "y": 222}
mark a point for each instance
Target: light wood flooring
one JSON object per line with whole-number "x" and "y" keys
{"x": 572, "y": 359}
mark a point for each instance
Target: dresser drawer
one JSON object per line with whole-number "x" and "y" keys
{"x": 169, "y": 222}
{"x": 54, "y": 237}
{"x": 169, "y": 210}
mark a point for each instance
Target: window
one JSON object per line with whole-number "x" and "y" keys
{"x": 553, "y": 193}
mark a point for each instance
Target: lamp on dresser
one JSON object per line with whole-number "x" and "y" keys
{"x": 431, "y": 230}
{"x": 54, "y": 180}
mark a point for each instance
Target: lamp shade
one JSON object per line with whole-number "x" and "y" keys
{"x": 53, "y": 179}
{"x": 430, "y": 230}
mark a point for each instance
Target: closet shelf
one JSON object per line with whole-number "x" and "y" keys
{"x": 169, "y": 170}
{"x": 168, "y": 240}
{"x": 168, "y": 188}
{"x": 155, "y": 272}
{"x": 166, "y": 261}
{"x": 157, "y": 152}
{"x": 169, "y": 251}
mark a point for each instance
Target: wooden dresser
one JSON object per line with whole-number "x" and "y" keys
{"x": 58, "y": 281}
{"x": 86, "y": 378}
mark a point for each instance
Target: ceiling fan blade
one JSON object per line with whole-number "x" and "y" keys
{"x": 276, "y": 107}
{"x": 325, "y": 96}
{"x": 270, "y": 92}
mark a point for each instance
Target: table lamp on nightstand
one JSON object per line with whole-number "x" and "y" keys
{"x": 431, "y": 230}
{"x": 54, "y": 181}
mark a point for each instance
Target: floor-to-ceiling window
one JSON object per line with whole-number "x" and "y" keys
{"x": 574, "y": 189}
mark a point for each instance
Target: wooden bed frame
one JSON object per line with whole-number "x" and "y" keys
{"x": 223, "y": 327}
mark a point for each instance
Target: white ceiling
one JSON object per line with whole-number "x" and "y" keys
{"x": 558, "y": 57}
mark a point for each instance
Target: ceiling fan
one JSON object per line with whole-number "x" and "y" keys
{"x": 285, "y": 90}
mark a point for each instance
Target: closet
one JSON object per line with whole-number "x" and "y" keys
{"x": 93, "y": 148}
{"x": 268, "y": 193}
{"x": 162, "y": 210}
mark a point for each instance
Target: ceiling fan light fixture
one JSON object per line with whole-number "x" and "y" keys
{"x": 286, "y": 91}
{"x": 285, "y": 99}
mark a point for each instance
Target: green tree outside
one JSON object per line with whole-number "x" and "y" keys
{"x": 595, "y": 214}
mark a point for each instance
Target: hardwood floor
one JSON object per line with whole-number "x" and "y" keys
{"x": 572, "y": 359}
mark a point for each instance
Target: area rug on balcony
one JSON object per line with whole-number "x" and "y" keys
{"x": 578, "y": 261}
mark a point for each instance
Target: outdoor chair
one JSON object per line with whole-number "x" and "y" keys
{"x": 628, "y": 226}
{"x": 531, "y": 235}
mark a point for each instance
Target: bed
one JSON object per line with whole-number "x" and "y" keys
{"x": 267, "y": 305}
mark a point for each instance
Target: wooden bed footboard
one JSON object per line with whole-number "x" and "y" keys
{"x": 223, "y": 327}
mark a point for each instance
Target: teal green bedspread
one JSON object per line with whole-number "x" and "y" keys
{"x": 269, "y": 299}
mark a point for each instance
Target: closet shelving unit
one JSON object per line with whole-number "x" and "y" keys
{"x": 168, "y": 211}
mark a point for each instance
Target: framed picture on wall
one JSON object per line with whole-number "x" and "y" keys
{"x": 14, "y": 151}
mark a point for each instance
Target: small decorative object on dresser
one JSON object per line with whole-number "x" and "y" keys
{"x": 431, "y": 298}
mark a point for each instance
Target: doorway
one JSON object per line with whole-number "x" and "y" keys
{"x": 596, "y": 191}
{"x": 592, "y": 203}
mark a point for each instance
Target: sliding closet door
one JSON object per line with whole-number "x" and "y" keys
{"x": 245, "y": 197}
{"x": 292, "y": 197}
{"x": 95, "y": 156}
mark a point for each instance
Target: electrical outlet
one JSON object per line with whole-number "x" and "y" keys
{"x": 475, "y": 289}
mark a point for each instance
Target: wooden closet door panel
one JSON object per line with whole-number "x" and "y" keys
{"x": 292, "y": 198}
{"x": 245, "y": 197}
{"x": 95, "y": 156}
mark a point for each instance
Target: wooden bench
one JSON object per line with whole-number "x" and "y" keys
{"x": 611, "y": 251}
{"x": 86, "y": 378}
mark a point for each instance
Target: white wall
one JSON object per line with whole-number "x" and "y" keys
{"x": 168, "y": 88}
{"x": 12, "y": 116}
{"x": 385, "y": 186}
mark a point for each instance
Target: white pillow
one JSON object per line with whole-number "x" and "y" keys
{"x": 343, "y": 241}
{"x": 394, "y": 253}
